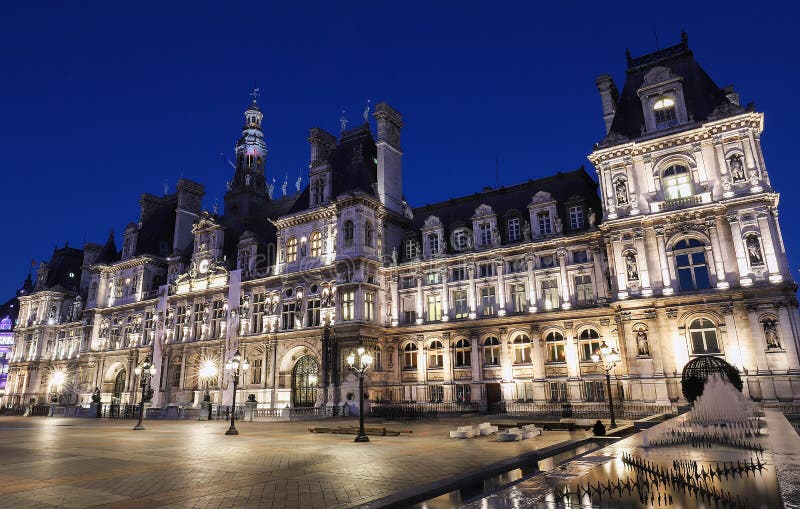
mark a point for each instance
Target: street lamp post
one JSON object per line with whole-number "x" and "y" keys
{"x": 360, "y": 365}
{"x": 208, "y": 371}
{"x": 144, "y": 372}
{"x": 606, "y": 358}
{"x": 235, "y": 365}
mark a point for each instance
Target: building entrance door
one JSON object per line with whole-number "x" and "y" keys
{"x": 305, "y": 375}
{"x": 119, "y": 386}
{"x": 493, "y": 395}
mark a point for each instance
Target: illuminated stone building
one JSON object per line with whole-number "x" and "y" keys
{"x": 673, "y": 251}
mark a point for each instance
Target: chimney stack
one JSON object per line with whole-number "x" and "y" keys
{"x": 390, "y": 170}
{"x": 609, "y": 97}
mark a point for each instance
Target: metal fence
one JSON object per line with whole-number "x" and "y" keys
{"x": 39, "y": 410}
{"x": 120, "y": 411}
{"x": 290, "y": 414}
{"x": 588, "y": 410}
{"x": 421, "y": 411}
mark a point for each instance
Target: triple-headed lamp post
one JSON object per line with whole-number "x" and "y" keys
{"x": 144, "y": 372}
{"x": 606, "y": 358}
{"x": 359, "y": 362}
{"x": 235, "y": 366}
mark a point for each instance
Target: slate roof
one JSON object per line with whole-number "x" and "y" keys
{"x": 565, "y": 188}
{"x": 703, "y": 97}
{"x": 65, "y": 261}
{"x": 109, "y": 253}
{"x": 155, "y": 236}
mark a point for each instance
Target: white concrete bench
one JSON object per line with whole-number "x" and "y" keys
{"x": 530, "y": 431}
{"x": 510, "y": 435}
{"x": 486, "y": 428}
{"x": 464, "y": 432}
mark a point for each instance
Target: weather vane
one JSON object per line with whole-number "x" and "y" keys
{"x": 343, "y": 121}
{"x": 254, "y": 94}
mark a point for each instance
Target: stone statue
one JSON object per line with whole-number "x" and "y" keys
{"x": 244, "y": 306}
{"x": 285, "y": 184}
{"x": 621, "y": 191}
{"x": 559, "y": 227}
{"x": 271, "y": 188}
{"x": 96, "y": 396}
{"x": 631, "y": 268}
{"x": 297, "y": 184}
{"x": 737, "y": 168}
{"x": 592, "y": 218}
{"x": 641, "y": 343}
{"x": 229, "y": 185}
{"x": 394, "y": 256}
{"x": 771, "y": 334}
{"x": 343, "y": 122}
{"x": 526, "y": 230}
{"x": 206, "y": 314}
{"x": 247, "y": 179}
{"x": 366, "y": 113}
{"x": 754, "y": 251}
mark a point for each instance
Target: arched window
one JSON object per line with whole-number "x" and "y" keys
{"x": 677, "y": 182}
{"x": 348, "y": 233}
{"x": 491, "y": 351}
{"x": 590, "y": 342}
{"x": 369, "y": 234}
{"x": 555, "y": 347}
{"x": 522, "y": 349}
{"x": 664, "y": 112}
{"x": 703, "y": 334}
{"x": 291, "y": 250}
{"x": 435, "y": 354}
{"x": 690, "y": 262}
{"x": 316, "y": 244}
{"x": 410, "y": 356}
{"x": 462, "y": 352}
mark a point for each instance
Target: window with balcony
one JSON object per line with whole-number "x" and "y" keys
{"x": 434, "y": 307}
{"x": 313, "y": 312}
{"x": 690, "y": 263}
{"x": 287, "y": 316}
{"x": 677, "y": 182}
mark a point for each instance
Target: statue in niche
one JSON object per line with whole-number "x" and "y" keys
{"x": 244, "y": 306}
{"x": 621, "y": 191}
{"x": 526, "y": 230}
{"x": 394, "y": 256}
{"x": 642, "y": 345}
{"x": 754, "y": 251}
{"x": 559, "y": 227}
{"x": 247, "y": 179}
{"x": 737, "y": 168}
{"x": 206, "y": 313}
{"x": 631, "y": 268}
{"x": 592, "y": 218}
{"x": 771, "y": 334}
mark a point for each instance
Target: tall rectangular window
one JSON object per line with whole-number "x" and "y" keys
{"x": 148, "y": 327}
{"x": 433, "y": 243}
{"x": 518, "y": 299}
{"x": 460, "y": 240}
{"x": 486, "y": 270}
{"x": 488, "y": 301}
{"x": 410, "y": 249}
{"x": 545, "y": 228}
{"x": 217, "y": 314}
{"x": 434, "y": 307}
{"x": 550, "y": 294}
{"x": 180, "y": 322}
{"x": 485, "y": 234}
{"x": 409, "y": 309}
{"x": 369, "y": 306}
{"x": 197, "y": 320}
{"x": 576, "y": 217}
{"x": 287, "y": 316}
{"x": 584, "y": 292}
{"x": 513, "y": 230}
{"x": 348, "y": 304}
{"x": 255, "y": 372}
{"x": 458, "y": 274}
{"x": 433, "y": 278}
{"x": 558, "y": 391}
{"x": 312, "y": 313}
{"x": 259, "y": 307}
{"x": 595, "y": 391}
{"x": 460, "y": 307}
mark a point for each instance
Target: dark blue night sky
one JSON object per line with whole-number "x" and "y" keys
{"x": 99, "y": 104}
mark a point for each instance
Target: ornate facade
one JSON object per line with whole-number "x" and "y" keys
{"x": 674, "y": 251}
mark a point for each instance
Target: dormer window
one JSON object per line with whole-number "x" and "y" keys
{"x": 411, "y": 249}
{"x": 664, "y": 113}
{"x": 576, "y": 217}
{"x": 545, "y": 228}
{"x": 291, "y": 250}
{"x": 433, "y": 243}
{"x": 513, "y": 229}
{"x": 485, "y": 234}
{"x": 460, "y": 239}
{"x": 677, "y": 182}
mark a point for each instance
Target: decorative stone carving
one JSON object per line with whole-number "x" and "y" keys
{"x": 754, "y": 250}
{"x": 631, "y": 269}
{"x": 642, "y": 343}
{"x": 771, "y": 333}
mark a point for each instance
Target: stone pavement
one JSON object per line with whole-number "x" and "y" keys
{"x": 56, "y": 462}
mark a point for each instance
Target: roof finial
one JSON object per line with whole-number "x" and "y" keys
{"x": 684, "y": 37}
{"x": 366, "y": 113}
{"x": 255, "y": 93}
{"x": 343, "y": 122}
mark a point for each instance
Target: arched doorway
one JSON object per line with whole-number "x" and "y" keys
{"x": 305, "y": 375}
{"x": 119, "y": 386}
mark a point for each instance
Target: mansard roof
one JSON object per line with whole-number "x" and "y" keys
{"x": 65, "y": 261}
{"x": 703, "y": 97}
{"x": 109, "y": 253}
{"x": 562, "y": 187}
{"x": 354, "y": 162}
{"x": 158, "y": 229}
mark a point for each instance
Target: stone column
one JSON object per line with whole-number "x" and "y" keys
{"x": 768, "y": 246}
{"x": 420, "y": 299}
{"x": 394, "y": 286}
{"x": 723, "y": 167}
{"x": 644, "y": 273}
{"x": 633, "y": 198}
{"x": 532, "y": 299}
{"x": 422, "y": 368}
{"x": 573, "y": 363}
{"x": 716, "y": 251}
{"x": 506, "y": 365}
{"x": 500, "y": 290}
{"x": 473, "y": 308}
{"x": 599, "y": 278}
{"x": 666, "y": 279}
{"x": 741, "y": 254}
{"x": 477, "y": 358}
{"x": 619, "y": 265}
{"x": 566, "y": 298}
{"x": 445, "y": 296}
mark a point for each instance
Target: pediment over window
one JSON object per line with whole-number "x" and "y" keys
{"x": 432, "y": 222}
{"x": 483, "y": 210}
{"x": 658, "y": 75}
{"x": 541, "y": 197}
